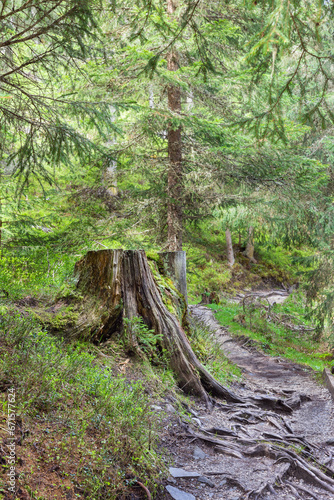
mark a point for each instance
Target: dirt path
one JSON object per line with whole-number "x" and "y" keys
{"x": 277, "y": 445}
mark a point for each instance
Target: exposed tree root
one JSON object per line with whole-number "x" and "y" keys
{"x": 295, "y": 487}
{"x": 286, "y": 453}
{"x": 278, "y": 447}
{"x": 294, "y": 491}
{"x": 257, "y": 494}
{"x": 149, "y": 497}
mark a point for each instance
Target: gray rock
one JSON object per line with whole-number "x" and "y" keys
{"x": 198, "y": 453}
{"x": 154, "y": 407}
{"x": 170, "y": 409}
{"x": 175, "y": 472}
{"x": 179, "y": 494}
{"x": 222, "y": 482}
{"x": 205, "y": 480}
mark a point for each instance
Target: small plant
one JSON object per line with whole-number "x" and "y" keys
{"x": 139, "y": 338}
{"x": 281, "y": 330}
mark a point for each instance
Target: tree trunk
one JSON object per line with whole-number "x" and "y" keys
{"x": 119, "y": 284}
{"x": 175, "y": 181}
{"x": 175, "y": 266}
{"x": 229, "y": 248}
{"x": 110, "y": 173}
{"x": 249, "y": 252}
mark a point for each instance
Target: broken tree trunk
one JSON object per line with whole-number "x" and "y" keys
{"x": 175, "y": 266}
{"x": 119, "y": 284}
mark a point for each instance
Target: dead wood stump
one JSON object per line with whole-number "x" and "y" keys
{"x": 119, "y": 284}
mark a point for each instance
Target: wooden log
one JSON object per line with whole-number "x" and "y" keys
{"x": 329, "y": 381}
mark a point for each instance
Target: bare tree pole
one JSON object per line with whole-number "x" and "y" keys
{"x": 229, "y": 248}
{"x": 174, "y": 209}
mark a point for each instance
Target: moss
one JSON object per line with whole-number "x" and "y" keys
{"x": 57, "y": 320}
{"x": 216, "y": 276}
{"x": 152, "y": 255}
{"x": 171, "y": 297}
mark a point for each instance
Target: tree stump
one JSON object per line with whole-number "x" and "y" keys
{"x": 175, "y": 266}
{"x": 119, "y": 284}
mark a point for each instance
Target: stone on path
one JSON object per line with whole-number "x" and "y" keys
{"x": 205, "y": 480}
{"x": 170, "y": 408}
{"x": 179, "y": 494}
{"x": 175, "y": 472}
{"x": 198, "y": 453}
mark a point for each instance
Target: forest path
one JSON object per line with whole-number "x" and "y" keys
{"x": 241, "y": 451}
{"x": 272, "y": 296}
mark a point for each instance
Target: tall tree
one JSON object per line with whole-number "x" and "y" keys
{"x": 203, "y": 160}
{"x": 175, "y": 178}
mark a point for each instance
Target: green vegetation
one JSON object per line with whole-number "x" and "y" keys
{"x": 95, "y": 426}
{"x": 282, "y": 331}
{"x": 208, "y": 270}
{"x": 76, "y": 398}
{"x": 160, "y": 125}
{"x": 210, "y": 353}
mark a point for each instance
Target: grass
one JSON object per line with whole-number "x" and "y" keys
{"x": 84, "y": 416}
{"x": 36, "y": 272}
{"x": 211, "y": 355}
{"x": 276, "y": 339}
{"x": 208, "y": 271}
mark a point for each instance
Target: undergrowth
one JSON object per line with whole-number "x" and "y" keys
{"x": 284, "y": 332}
{"x": 93, "y": 431}
{"x": 208, "y": 270}
{"x": 35, "y": 271}
{"x": 211, "y": 354}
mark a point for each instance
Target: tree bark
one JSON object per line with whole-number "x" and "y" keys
{"x": 229, "y": 248}
{"x": 110, "y": 173}
{"x": 175, "y": 266}
{"x": 174, "y": 137}
{"x": 249, "y": 252}
{"x": 119, "y": 284}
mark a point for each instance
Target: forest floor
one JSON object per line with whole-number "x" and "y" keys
{"x": 241, "y": 451}
{"x": 65, "y": 450}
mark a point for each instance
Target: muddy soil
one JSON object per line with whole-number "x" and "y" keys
{"x": 248, "y": 451}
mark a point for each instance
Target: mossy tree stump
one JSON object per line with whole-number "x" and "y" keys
{"x": 119, "y": 284}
